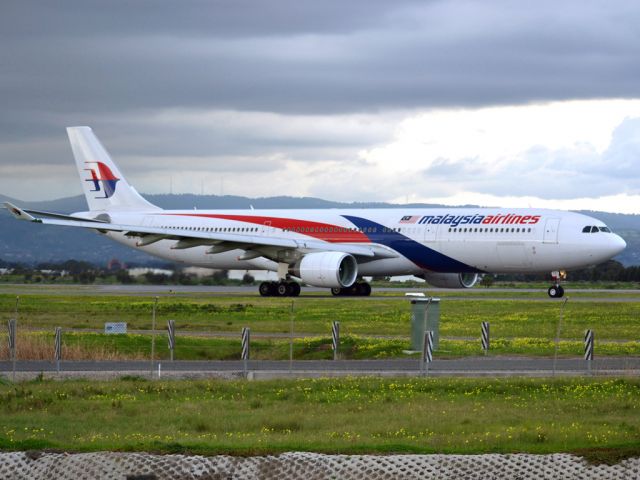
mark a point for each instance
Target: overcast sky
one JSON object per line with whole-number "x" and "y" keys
{"x": 484, "y": 102}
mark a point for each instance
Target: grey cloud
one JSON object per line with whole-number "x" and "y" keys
{"x": 194, "y": 17}
{"x": 117, "y": 65}
{"x": 311, "y": 57}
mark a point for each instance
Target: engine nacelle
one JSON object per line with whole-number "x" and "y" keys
{"x": 327, "y": 269}
{"x": 451, "y": 280}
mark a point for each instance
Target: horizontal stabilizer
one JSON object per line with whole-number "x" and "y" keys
{"x": 19, "y": 213}
{"x": 28, "y": 214}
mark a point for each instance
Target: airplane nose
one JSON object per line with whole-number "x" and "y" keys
{"x": 617, "y": 244}
{"x": 605, "y": 247}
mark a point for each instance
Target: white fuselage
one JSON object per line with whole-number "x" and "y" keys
{"x": 452, "y": 240}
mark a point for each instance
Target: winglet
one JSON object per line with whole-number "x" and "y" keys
{"x": 19, "y": 213}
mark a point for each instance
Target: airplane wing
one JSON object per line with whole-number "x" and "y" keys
{"x": 253, "y": 245}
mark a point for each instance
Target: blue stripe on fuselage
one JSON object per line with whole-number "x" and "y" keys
{"x": 419, "y": 254}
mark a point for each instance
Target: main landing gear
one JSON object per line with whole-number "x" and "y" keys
{"x": 292, "y": 289}
{"x": 279, "y": 289}
{"x": 358, "y": 289}
{"x": 556, "y": 290}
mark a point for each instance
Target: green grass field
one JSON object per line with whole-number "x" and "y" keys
{"x": 593, "y": 417}
{"x": 378, "y": 315}
{"x": 522, "y": 323}
{"x": 358, "y": 415}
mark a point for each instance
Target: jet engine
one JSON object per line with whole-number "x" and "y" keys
{"x": 451, "y": 280}
{"x": 327, "y": 269}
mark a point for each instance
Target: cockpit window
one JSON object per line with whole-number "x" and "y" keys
{"x": 594, "y": 229}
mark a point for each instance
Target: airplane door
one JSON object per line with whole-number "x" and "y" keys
{"x": 148, "y": 221}
{"x": 267, "y": 229}
{"x": 551, "y": 230}
{"x": 513, "y": 255}
{"x": 430, "y": 232}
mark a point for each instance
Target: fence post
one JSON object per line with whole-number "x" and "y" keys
{"x": 335, "y": 339}
{"x": 13, "y": 326}
{"x": 246, "y": 332}
{"x": 427, "y": 351}
{"x": 588, "y": 348}
{"x": 485, "y": 337}
{"x": 58, "y": 348}
{"x": 171, "y": 326}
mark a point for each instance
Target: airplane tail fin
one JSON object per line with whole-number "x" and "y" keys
{"x": 104, "y": 186}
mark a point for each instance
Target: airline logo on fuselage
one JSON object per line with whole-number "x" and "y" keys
{"x": 477, "y": 219}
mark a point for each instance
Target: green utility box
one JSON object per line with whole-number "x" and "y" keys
{"x": 425, "y": 316}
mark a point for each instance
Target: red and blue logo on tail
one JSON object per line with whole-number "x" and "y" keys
{"x": 102, "y": 178}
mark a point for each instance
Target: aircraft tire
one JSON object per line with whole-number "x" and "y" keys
{"x": 283, "y": 289}
{"x": 555, "y": 291}
{"x": 295, "y": 289}
{"x": 266, "y": 289}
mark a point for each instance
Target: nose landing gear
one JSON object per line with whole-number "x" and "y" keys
{"x": 556, "y": 290}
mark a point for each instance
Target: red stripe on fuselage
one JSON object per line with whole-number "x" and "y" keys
{"x": 319, "y": 230}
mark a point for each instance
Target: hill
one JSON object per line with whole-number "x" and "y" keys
{"x": 29, "y": 243}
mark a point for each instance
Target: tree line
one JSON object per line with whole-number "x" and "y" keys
{"x": 77, "y": 271}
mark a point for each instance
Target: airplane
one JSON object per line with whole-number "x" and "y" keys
{"x": 334, "y": 248}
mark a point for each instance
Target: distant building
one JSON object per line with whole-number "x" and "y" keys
{"x": 258, "y": 275}
{"x": 198, "y": 272}
{"x": 139, "y": 272}
{"x": 114, "y": 265}
{"x": 54, "y": 273}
